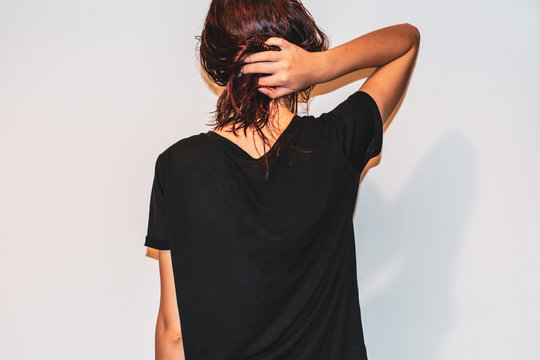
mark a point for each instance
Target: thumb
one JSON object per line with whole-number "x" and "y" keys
{"x": 275, "y": 92}
{"x": 270, "y": 92}
{"x": 280, "y": 91}
{"x": 264, "y": 90}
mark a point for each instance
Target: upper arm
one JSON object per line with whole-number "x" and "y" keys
{"x": 387, "y": 83}
{"x": 168, "y": 316}
{"x": 157, "y": 237}
{"x": 157, "y": 231}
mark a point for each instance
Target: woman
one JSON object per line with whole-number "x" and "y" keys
{"x": 254, "y": 226}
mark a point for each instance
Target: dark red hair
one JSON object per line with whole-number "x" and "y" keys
{"x": 233, "y": 30}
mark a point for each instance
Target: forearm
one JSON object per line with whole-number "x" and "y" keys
{"x": 373, "y": 49}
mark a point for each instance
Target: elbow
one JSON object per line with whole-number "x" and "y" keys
{"x": 170, "y": 336}
{"x": 169, "y": 345}
{"x": 415, "y": 34}
{"x": 167, "y": 332}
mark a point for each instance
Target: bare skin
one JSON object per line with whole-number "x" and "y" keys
{"x": 252, "y": 143}
{"x": 168, "y": 339}
{"x": 392, "y": 50}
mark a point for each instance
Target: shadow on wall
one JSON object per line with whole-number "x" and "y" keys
{"x": 407, "y": 266}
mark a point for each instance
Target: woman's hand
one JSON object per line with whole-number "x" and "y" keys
{"x": 291, "y": 69}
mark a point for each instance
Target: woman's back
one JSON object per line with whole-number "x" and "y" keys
{"x": 265, "y": 268}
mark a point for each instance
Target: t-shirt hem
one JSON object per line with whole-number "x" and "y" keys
{"x": 156, "y": 243}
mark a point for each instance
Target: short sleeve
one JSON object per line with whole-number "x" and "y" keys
{"x": 356, "y": 125}
{"x": 157, "y": 233}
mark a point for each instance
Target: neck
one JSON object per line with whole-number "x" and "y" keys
{"x": 278, "y": 119}
{"x": 280, "y": 115}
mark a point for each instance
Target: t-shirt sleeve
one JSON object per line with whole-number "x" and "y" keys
{"x": 356, "y": 126}
{"x": 157, "y": 233}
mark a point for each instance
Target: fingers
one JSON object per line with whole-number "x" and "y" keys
{"x": 271, "y": 80}
{"x": 266, "y": 62}
{"x": 267, "y": 55}
{"x": 260, "y": 68}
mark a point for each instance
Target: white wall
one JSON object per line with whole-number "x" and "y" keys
{"x": 447, "y": 224}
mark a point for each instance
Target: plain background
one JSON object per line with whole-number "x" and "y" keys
{"x": 447, "y": 225}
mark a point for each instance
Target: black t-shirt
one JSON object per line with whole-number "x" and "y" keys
{"x": 266, "y": 269}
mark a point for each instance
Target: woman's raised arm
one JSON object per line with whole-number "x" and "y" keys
{"x": 391, "y": 49}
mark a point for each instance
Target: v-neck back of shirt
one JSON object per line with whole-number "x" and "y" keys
{"x": 232, "y": 146}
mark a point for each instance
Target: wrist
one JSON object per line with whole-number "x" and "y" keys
{"x": 322, "y": 70}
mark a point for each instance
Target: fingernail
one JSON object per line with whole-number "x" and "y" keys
{"x": 246, "y": 59}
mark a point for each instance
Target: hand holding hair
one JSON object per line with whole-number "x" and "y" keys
{"x": 290, "y": 70}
